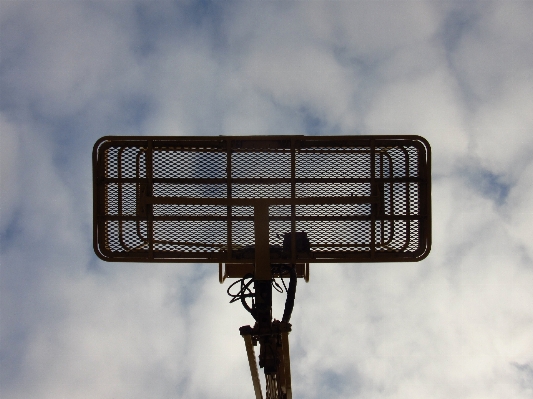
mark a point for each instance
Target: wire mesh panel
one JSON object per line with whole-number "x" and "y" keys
{"x": 329, "y": 199}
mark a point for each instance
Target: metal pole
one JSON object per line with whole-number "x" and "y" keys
{"x": 286, "y": 363}
{"x": 252, "y": 362}
{"x": 262, "y": 246}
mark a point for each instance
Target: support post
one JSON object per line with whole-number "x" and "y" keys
{"x": 246, "y": 333}
{"x": 262, "y": 245}
{"x": 286, "y": 363}
{"x": 263, "y": 271}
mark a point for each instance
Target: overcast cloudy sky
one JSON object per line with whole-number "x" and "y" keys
{"x": 457, "y": 325}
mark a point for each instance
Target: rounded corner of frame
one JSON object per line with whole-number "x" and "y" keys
{"x": 98, "y": 142}
{"x": 424, "y": 142}
{"x": 425, "y": 253}
{"x": 101, "y": 141}
{"x": 101, "y": 253}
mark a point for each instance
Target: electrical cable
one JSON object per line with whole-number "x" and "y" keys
{"x": 291, "y": 294}
{"x": 246, "y": 292}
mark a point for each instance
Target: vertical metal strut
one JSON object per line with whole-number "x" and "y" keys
{"x": 246, "y": 333}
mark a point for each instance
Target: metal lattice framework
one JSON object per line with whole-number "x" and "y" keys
{"x": 193, "y": 199}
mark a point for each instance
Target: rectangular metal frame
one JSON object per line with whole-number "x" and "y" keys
{"x": 195, "y": 199}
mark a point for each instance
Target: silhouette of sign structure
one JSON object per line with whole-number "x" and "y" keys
{"x": 282, "y": 199}
{"x": 262, "y": 205}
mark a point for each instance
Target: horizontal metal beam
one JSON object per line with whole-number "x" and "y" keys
{"x": 288, "y": 218}
{"x": 255, "y": 180}
{"x": 260, "y": 201}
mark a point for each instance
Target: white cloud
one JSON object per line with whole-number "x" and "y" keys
{"x": 504, "y": 129}
{"x": 455, "y": 325}
{"x": 519, "y": 211}
{"x": 426, "y": 105}
{"x": 496, "y": 49}
{"x": 9, "y": 171}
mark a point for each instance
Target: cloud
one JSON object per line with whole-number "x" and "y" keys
{"x": 427, "y": 105}
{"x": 9, "y": 169}
{"x": 455, "y": 325}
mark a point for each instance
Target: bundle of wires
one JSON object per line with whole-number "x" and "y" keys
{"x": 246, "y": 292}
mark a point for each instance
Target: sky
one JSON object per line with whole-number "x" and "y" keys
{"x": 458, "y": 324}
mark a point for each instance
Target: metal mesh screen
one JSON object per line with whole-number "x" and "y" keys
{"x": 173, "y": 199}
